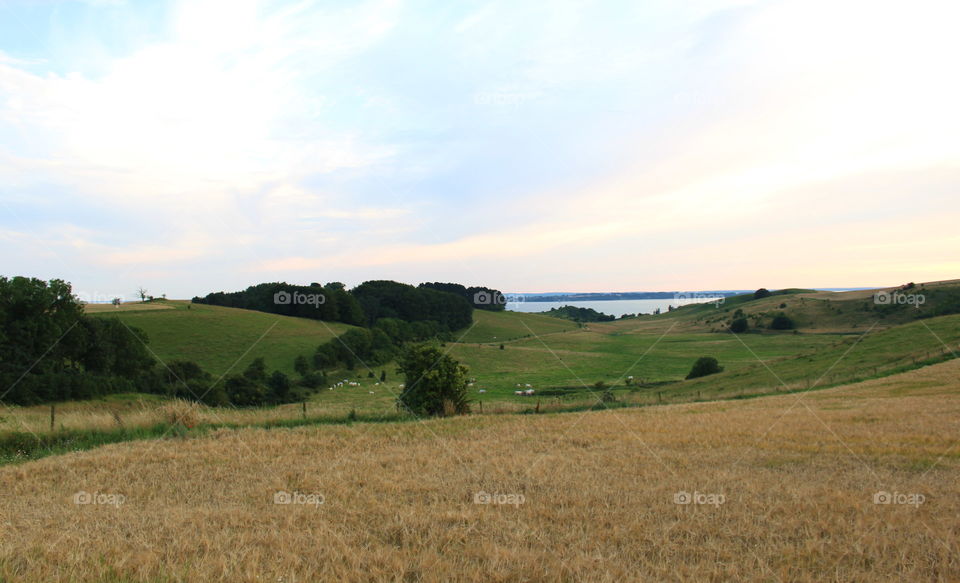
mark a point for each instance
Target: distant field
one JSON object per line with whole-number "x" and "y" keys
{"x": 793, "y": 481}
{"x": 506, "y": 326}
{"x": 221, "y": 339}
{"x": 128, "y": 307}
{"x": 586, "y": 356}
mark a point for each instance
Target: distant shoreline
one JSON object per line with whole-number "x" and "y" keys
{"x": 613, "y": 296}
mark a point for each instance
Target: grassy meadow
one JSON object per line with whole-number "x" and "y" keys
{"x": 561, "y": 360}
{"x": 222, "y": 339}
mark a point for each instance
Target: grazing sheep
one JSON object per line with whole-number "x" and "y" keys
{"x": 518, "y": 393}
{"x": 528, "y": 392}
{"x": 482, "y": 391}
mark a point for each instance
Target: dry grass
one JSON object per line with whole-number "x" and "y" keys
{"x": 798, "y": 478}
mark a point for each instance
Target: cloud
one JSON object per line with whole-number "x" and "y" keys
{"x": 575, "y": 146}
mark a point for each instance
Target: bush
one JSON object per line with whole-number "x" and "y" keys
{"x": 761, "y": 293}
{"x": 435, "y": 383}
{"x": 781, "y": 322}
{"x": 314, "y": 380}
{"x": 705, "y": 365}
{"x": 738, "y": 325}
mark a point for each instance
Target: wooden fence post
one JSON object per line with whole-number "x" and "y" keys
{"x": 52, "y": 415}
{"x": 304, "y": 409}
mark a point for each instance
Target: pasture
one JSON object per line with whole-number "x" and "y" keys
{"x": 223, "y": 340}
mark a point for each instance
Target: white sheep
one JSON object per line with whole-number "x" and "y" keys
{"x": 528, "y": 392}
{"x": 518, "y": 393}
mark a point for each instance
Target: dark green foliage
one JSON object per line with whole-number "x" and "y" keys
{"x": 336, "y": 305}
{"x": 280, "y": 387}
{"x": 436, "y": 384}
{"x": 389, "y": 299}
{"x": 580, "y": 314}
{"x": 739, "y": 325}
{"x": 481, "y": 298}
{"x": 244, "y": 391}
{"x": 761, "y": 293}
{"x": 256, "y": 370}
{"x": 314, "y": 380}
{"x": 301, "y": 365}
{"x": 705, "y": 365}
{"x": 50, "y": 351}
{"x": 781, "y": 322}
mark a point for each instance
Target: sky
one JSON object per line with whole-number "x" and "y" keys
{"x": 205, "y": 145}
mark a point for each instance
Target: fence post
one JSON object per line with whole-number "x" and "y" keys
{"x": 481, "y": 407}
{"x": 659, "y": 397}
{"x": 52, "y": 415}
{"x": 304, "y": 409}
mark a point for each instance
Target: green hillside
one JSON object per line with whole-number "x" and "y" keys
{"x": 506, "y": 326}
{"x": 223, "y": 339}
{"x": 841, "y": 337}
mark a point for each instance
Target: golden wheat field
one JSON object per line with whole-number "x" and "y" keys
{"x": 859, "y": 483}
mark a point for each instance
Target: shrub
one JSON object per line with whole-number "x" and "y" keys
{"x": 781, "y": 322}
{"x": 435, "y": 383}
{"x": 313, "y": 380}
{"x": 738, "y": 325}
{"x": 705, "y": 365}
{"x": 761, "y": 293}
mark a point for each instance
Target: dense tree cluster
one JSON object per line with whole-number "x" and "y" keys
{"x": 389, "y": 299}
{"x": 50, "y": 351}
{"x": 329, "y": 302}
{"x": 482, "y": 298}
{"x": 580, "y": 314}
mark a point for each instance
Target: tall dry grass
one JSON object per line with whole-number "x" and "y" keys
{"x": 588, "y": 496}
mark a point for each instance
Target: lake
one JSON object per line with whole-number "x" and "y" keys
{"x": 613, "y": 307}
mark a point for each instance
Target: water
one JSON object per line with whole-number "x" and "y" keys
{"x": 613, "y": 307}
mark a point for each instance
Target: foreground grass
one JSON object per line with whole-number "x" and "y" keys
{"x": 798, "y": 475}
